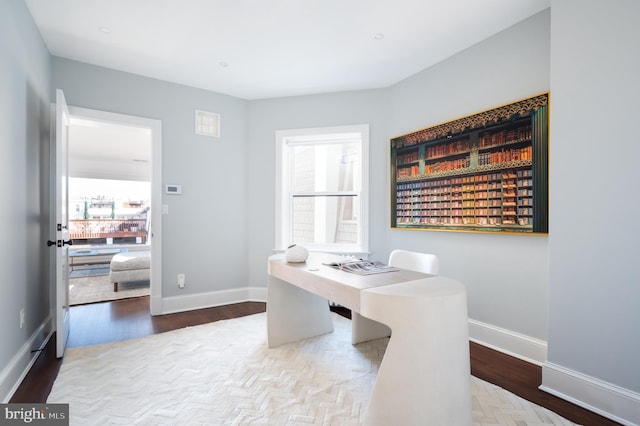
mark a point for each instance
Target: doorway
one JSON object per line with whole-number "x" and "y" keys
{"x": 109, "y": 150}
{"x": 108, "y": 220}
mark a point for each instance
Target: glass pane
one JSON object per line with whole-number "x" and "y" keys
{"x": 325, "y": 220}
{"x": 325, "y": 167}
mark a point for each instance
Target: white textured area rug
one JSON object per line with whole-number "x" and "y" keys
{"x": 222, "y": 373}
{"x": 99, "y": 288}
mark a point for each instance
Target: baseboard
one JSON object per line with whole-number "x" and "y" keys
{"x": 257, "y": 294}
{"x": 155, "y": 305}
{"x": 506, "y": 341}
{"x": 192, "y": 302}
{"x": 13, "y": 374}
{"x": 610, "y": 401}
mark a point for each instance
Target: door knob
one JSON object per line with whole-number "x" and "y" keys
{"x": 59, "y": 243}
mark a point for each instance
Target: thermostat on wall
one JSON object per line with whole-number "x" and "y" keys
{"x": 173, "y": 189}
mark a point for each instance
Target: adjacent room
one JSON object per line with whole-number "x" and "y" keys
{"x": 410, "y": 212}
{"x": 109, "y": 204}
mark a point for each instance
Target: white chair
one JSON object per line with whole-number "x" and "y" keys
{"x": 421, "y": 262}
{"x": 367, "y": 329}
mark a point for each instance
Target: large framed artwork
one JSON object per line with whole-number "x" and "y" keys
{"x": 485, "y": 172}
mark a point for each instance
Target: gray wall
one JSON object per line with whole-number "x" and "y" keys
{"x": 336, "y": 109}
{"x": 594, "y": 315}
{"x": 204, "y": 235}
{"x": 506, "y": 275}
{"x": 24, "y": 169}
{"x": 580, "y": 283}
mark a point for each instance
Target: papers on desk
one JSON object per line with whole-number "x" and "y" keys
{"x": 362, "y": 267}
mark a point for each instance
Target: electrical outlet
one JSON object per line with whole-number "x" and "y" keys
{"x": 181, "y": 280}
{"x": 22, "y": 318}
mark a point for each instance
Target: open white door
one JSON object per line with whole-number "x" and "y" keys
{"x": 60, "y": 151}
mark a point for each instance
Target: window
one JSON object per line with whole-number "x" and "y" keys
{"x": 322, "y": 180}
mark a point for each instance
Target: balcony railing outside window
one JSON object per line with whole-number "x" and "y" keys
{"x": 82, "y": 229}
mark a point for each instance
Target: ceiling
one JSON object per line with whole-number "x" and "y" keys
{"x": 101, "y": 150}
{"x": 256, "y": 49}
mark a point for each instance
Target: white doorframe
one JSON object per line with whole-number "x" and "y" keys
{"x": 156, "y": 189}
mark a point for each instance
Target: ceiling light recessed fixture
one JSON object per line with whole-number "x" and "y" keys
{"x": 105, "y": 30}
{"x": 378, "y": 36}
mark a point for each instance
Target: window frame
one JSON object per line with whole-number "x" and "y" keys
{"x": 284, "y": 197}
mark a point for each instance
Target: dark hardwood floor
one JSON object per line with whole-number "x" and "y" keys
{"x": 129, "y": 318}
{"x": 108, "y": 322}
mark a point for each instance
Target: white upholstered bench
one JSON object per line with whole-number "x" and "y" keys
{"x": 130, "y": 266}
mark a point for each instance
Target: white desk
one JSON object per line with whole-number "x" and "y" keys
{"x": 424, "y": 377}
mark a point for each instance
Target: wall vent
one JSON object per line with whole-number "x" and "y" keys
{"x": 207, "y": 124}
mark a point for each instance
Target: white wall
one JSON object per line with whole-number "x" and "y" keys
{"x": 204, "y": 235}
{"x": 594, "y": 315}
{"x": 24, "y": 170}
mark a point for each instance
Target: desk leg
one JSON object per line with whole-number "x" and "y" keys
{"x": 424, "y": 377}
{"x": 294, "y": 314}
{"x": 365, "y": 329}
